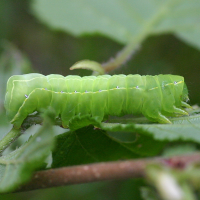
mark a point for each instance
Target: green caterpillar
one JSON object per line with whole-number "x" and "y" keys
{"x": 156, "y": 97}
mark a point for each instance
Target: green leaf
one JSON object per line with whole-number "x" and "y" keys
{"x": 148, "y": 193}
{"x": 88, "y": 145}
{"x": 125, "y": 20}
{"x": 181, "y": 149}
{"x": 17, "y": 167}
{"x": 183, "y": 128}
{"x": 78, "y": 122}
{"x": 130, "y": 189}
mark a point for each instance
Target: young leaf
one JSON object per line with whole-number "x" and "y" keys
{"x": 90, "y": 65}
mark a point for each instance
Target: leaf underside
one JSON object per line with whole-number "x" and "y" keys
{"x": 125, "y": 20}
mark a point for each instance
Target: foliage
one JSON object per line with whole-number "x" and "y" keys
{"x": 18, "y": 166}
{"x": 128, "y": 22}
{"x": 123, "y": 20}
{"x": 75, "y": 147}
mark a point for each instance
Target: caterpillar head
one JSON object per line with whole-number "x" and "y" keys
{"x": 18, "y": 89}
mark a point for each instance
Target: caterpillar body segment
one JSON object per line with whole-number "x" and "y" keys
{"x": 156, "y": 97}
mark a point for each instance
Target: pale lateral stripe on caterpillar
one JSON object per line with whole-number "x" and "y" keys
{"x": 153, "y": 96}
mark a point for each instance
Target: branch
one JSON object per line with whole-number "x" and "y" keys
{"x": 103, "y": 171}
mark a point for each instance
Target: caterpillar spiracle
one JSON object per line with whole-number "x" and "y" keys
{"x": 156, "y": 97}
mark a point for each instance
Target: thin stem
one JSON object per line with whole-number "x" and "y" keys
{"x": 9, "y": 138}
{"x": 13, "y": 134}
{"x": 124, "y": 55}
{"x": 139, "y": 37}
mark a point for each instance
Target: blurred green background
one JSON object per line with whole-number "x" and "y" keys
{"x": 51, "y": 51}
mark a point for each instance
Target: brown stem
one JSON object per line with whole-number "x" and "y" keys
{"x": 102, "y": 171}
